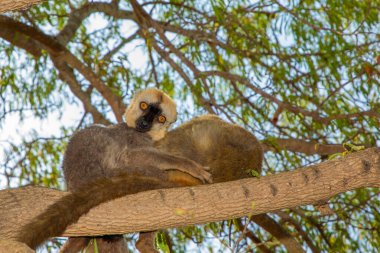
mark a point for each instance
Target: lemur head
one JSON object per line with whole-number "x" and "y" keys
{"x": 151, "y": 111}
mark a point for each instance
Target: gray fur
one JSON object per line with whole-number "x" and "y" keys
{"x": 95, "y": 152}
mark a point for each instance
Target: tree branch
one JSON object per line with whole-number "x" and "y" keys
{"x": 373, "y": 112}
{"x": 13, "y": 5}
{"x": 21, "y": 41}
{"x": 301, "y": 146}
{"x": 66, "y": 74}
{"x": 248, "y": 233}
{"x": 77, "y": 16}
{"x": 153, "y": 210}
{"x": 279, "y": 232}
{"x": 287, "y": 218}
{"x": 309, "y": 148}
{"x": 145, "y": 22}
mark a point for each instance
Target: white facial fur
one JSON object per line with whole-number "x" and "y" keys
{"x": 152, "y": 96}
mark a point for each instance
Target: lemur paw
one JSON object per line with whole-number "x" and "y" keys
{"x": 202, "y": 173}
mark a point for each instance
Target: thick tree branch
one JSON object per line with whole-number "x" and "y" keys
{"x": 13, "y": 5}
{"x": 21, "y": 41}
{"x": 77, "y": 16}
{"x": 65, "y": 72}
{"x": 301, "y": 146}
{"x": 153, "y": 210}
{"x": 48, "y": 42}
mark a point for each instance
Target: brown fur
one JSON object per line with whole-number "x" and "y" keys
{"x": 228, "y": 150}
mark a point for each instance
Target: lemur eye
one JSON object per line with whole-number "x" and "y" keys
{"x": 161, "y": 119}
{"x": 143, "y": 106}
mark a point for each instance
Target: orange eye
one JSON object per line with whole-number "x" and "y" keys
{"x": 143, "y": 106}
{"x": 161, "y": 119}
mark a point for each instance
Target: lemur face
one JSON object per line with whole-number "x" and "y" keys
{"x": 151, "y": 111}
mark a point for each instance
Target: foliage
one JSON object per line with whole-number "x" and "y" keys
{"x": 306, "y": 71}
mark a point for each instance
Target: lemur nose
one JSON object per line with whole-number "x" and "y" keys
{"x": 144, "y": 124}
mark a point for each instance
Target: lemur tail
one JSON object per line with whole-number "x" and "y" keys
{"x": 67, "y": 210}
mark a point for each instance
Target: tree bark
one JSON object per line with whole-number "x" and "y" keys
{"x": 158, "y": 209}
{"x": 13, "y": 5}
